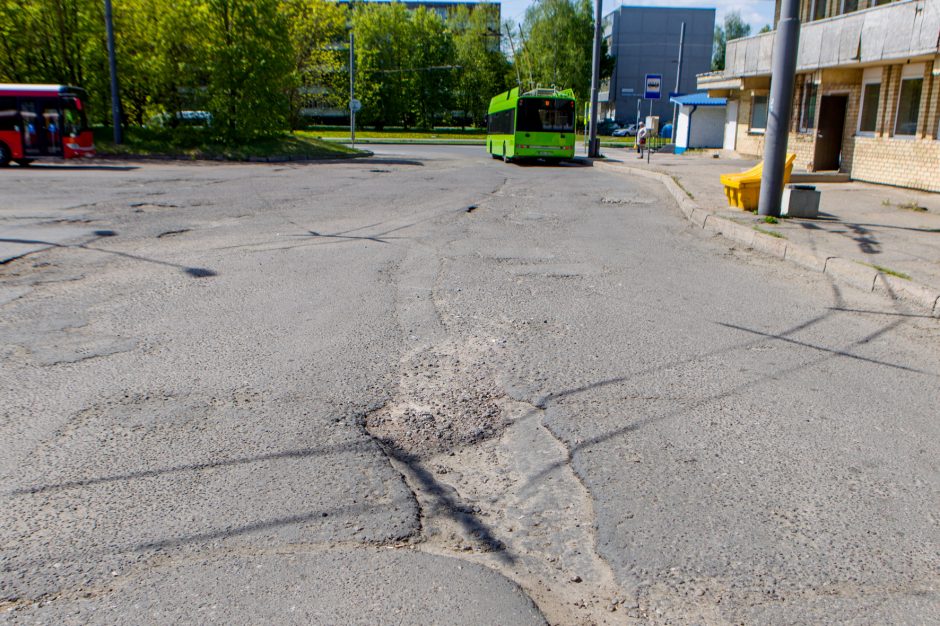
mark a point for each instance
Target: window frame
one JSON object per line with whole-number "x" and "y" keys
{"x": 861, "y": 108}
{"x": 808, "y": 84}
{"x": 897, "y": 107}
{"x": 812, "y": 10}
{"x": 758, "y": 130}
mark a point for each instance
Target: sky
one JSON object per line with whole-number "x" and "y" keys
{"x": 757, "y": 13}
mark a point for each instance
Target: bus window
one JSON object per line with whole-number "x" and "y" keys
{"x": 74, "y": 115}
{"x": 31, "y": 124}
{"x": 539, "y": 115}
{"x": 53, "y": 124}
{"x": 501, "y": 122}
{"x": 8, "y": 113}
{"x": 72, "y": 122}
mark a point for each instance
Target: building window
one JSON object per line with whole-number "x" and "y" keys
{"x": 868, "y": 119}
{"x": 808, "y": 107}
{"x": 908, "y": 106}
{"x": 849, "y": 6}
{"x": 819, "y": 9}
{"x": 758, "y": 114}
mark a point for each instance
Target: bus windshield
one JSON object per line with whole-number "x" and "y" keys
{"x": 75, "y": 121}
{"x": 538, "y": 115}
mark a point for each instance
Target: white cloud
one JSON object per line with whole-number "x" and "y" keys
{"x": 757, "y": 13}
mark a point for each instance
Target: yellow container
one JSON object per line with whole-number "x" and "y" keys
{"x": 743, "y": 188}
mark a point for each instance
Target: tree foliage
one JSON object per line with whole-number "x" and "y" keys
{"x": 557, "y": 46}
{"x": 734, "y": 28}
{"x": 484, "y": 69}
{"x": 317, "y": 32}
{"x": 257, "y": 64}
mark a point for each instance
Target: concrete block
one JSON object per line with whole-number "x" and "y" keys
{"x": 909, "y": 291}
{"x": 698, "y": 217}
{"x": 743, "y": 235}
{"x": 714, "y": 224}
{"x": 800, "y": 201}
{"x": 770, "y": 245}
{"x": 853, "y": 273}
{"x": 806, "y": 258}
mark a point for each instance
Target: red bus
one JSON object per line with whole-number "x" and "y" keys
{"x": 43, "y": 121}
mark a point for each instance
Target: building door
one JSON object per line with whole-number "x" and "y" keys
{"x": 731, "y": 125}
{"x": 827, "y": 155}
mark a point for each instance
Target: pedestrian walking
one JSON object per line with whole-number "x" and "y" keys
{"x": 641, "y": 135}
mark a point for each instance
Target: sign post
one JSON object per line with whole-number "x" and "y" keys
{"x": 652, "y": 91}
{"x": 354, "y": 105}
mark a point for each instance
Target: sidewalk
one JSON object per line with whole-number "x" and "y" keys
{"x": 875, "y": 237}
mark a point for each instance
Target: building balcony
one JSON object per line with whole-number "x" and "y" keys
{"x": 890, "y": 33}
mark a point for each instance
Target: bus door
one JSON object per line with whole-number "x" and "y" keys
{"x": 33, "y": 135}
{"x": 42, "y": 127}
{"x": 52, "y": 119}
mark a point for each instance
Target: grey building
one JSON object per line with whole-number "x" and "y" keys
{"x": 645, "y": 40}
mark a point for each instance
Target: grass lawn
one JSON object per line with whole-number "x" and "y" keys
{"x": 196, "y": 144}
{"x": 340, "y": 132}
{"x": 436, "y": 135}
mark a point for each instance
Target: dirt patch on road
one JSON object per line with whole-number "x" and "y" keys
{"x": 447, "y": 399}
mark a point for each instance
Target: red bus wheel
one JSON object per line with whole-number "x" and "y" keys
{"x": 4, "y": 155}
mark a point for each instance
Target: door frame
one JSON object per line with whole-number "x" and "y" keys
{"x": 816, "y": 140}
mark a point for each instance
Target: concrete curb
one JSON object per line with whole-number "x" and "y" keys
{"x": 846, "y": 271}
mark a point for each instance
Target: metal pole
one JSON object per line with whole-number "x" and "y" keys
{"x": 529, "y": 61}
{"x": 515, "y": 60}
{"x": 594, "y": 145}
{"x": 112, "y": 62}
{"x": 352, "y": 88}
{"x": 675, "y": 107}
{"x": 779, "y": 107}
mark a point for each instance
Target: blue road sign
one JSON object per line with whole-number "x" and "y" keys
{"x": 654, "y": 86}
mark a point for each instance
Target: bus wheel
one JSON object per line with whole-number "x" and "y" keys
{"x": 4, "y": 155}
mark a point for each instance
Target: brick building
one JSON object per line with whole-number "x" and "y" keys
{"x": 867, "y": 97}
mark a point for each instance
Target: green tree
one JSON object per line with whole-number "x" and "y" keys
{"x": 766, "y": 28}
{"x": 559, "y": 36}
{"x": 484, "y": 68}
{"x": 316, "y": 29}
{"x": 384, "y": 46}
{"x": 734, "y": 28}
{"x": 250, "y": 65}
{"x": 432, "y": 63}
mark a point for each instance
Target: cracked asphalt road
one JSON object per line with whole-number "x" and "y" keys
{"x": 329, "y": 393}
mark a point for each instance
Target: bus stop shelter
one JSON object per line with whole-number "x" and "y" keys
{"x": 700, "y": 123}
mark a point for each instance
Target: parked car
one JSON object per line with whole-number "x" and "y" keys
{"x": 607, "y": 127}
{"x": 627, "y": 131}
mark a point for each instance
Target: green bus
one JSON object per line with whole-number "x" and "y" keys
{"x": 537, "y": 124}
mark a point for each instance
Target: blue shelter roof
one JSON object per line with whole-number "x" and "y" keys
{"x": 699, "y": 100}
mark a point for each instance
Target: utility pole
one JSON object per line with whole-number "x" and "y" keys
{"x": 779, "y": 107}
{"x": 112, "y": 62}
{"x": 352, "y": 88}
{"x": 594, "y": 145}
{"x": 675, "y": 107}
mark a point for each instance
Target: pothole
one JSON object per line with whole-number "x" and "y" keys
{"x": 494, "y": 485}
